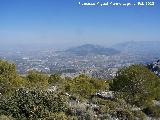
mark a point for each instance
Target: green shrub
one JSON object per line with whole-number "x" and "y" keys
{"x": 9, "y": 79}
{"x": 153, "y": 111}
{"x": 31, "y": 104}
{"x": 140, "y": 115}
{"x": 37, "y": 80}
{"x": 84, "y": 86}
{"x": 54, "y": 79}
{"x": 125, "y": 115}
{"x": 136, "y": 84}
{"x": 3, "y": 117}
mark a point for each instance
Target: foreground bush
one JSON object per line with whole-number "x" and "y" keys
{"x": 31, "y": 104}
{"x": 3, "y": 117}
{"x": 153, "y": 111}
{"x": 9, "y": 79}
{"x": 37, "y": 80}
{"x": 136, "y": 84}
{"x": 84, "y": 86}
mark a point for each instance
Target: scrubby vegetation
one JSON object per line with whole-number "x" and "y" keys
{"x": 137, "y": 85}
{"x": 133, "y": 94}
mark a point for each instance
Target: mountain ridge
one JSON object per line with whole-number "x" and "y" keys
{"x": 90, "y": 49}
{"x": 138, "y": 47}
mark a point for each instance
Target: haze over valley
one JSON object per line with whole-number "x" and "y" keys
{"x": 93, "y": 60}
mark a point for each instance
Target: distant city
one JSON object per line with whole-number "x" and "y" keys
{"x": 93, "y": 60}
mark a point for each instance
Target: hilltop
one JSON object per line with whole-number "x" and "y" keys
{"x": 90, "y": 49}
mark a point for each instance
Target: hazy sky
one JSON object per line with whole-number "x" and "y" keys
{"x": 63, "y": 23}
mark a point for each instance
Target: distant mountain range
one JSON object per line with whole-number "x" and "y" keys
{"x": 131, "y": 47}
{"x": 89, "y": 49}
{"x": 142, "y": 48}
{"x": 151, "y": 48}
{"x": 139, "y": 47}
